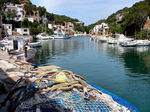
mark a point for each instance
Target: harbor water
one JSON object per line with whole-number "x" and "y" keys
{"x": 122, "y": 71}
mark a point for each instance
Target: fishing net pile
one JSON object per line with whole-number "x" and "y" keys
{"x": 51, "y": 89}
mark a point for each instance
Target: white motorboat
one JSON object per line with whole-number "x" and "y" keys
{"x": 121, "y": 38}
{"x": 103, "y": 38}
{"x": 60, "y": 35}
{"x": 143, "y": 42}
{"x": 112, "y": 40}
{"x": 134, "y": 43}
{"x": 129, "y": 44}
{"x": 44, "y": 36}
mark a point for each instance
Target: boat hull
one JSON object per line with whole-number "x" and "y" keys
{"x": 36, "y": 44}
{"x": 62, "y": 37}
{"x": 118, "y": 99}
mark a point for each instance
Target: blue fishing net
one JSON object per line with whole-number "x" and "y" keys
{"x": 71, "y": 101}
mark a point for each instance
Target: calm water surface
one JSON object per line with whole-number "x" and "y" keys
{"x": 123, "y": 71}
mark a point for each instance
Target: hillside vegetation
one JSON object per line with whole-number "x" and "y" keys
{"x": 36, "y": 27}
{"x": 132, "y": 22}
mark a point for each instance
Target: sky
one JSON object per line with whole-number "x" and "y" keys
{"x": 88, "y": 11}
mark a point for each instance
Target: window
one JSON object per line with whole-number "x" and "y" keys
{"x": 25, "y": 34}
{"x": 19, "y": 16}
{"x": 25, "y": 30}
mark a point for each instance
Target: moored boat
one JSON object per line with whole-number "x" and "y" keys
{"x": 143, "y": 42}
{"x": 129, "y": 44}
{"x": 35, "y": 44}
{"x": 60, "y": 35}
{"x": 121, "y": 38}
{"x": 44, "y": 36}
{"x": 112, "y": 40}
{"x": 103, "y": 38}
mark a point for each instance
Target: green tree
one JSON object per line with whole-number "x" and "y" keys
{"x": 28, "y": 8}
{"x": 79, "y": 27}
{"x": 144, "y": 34}
{"x": 15, "y": 1}
{"x": 148, "y": 1}
{"x": 25, "y": 23}
{"x": 42, "y": 10}
{"x": 10, "y": 14}
{"x": 50, "y": 17}
{"x": 49, "y": 31}
{"x": 2, "y": 4}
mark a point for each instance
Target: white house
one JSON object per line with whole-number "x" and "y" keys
{"x": 23, "y": 31}
{"x": 101, "y": 29}
{"x": 35, "y": 16}
{"x": 50, "y": 26}
{"x": 69, "y": 28}
{"x": 19, "y": 8}
{"x": 8, "y": 29}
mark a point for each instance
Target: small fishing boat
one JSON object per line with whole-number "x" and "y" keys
{"x": 35, "y": 44}
{"x": 60, "y": 36}
{"x": 44, "y": 36}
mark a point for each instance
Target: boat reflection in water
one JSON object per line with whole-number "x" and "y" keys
{"x": 137, "y": 60}
{"x": 52, "y": 49}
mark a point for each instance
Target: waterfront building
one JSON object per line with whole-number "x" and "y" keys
{"x": 50, "y": 26}
{"x": 8, "y": 29}
{"x": 23, "y": 31}
{"x": 35, "y": 16}
{"x": 101, "y": 29}
{"x": 20, "y": 37}
{"x": 69, "y": 28}
{"x": 66, "y": 28}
